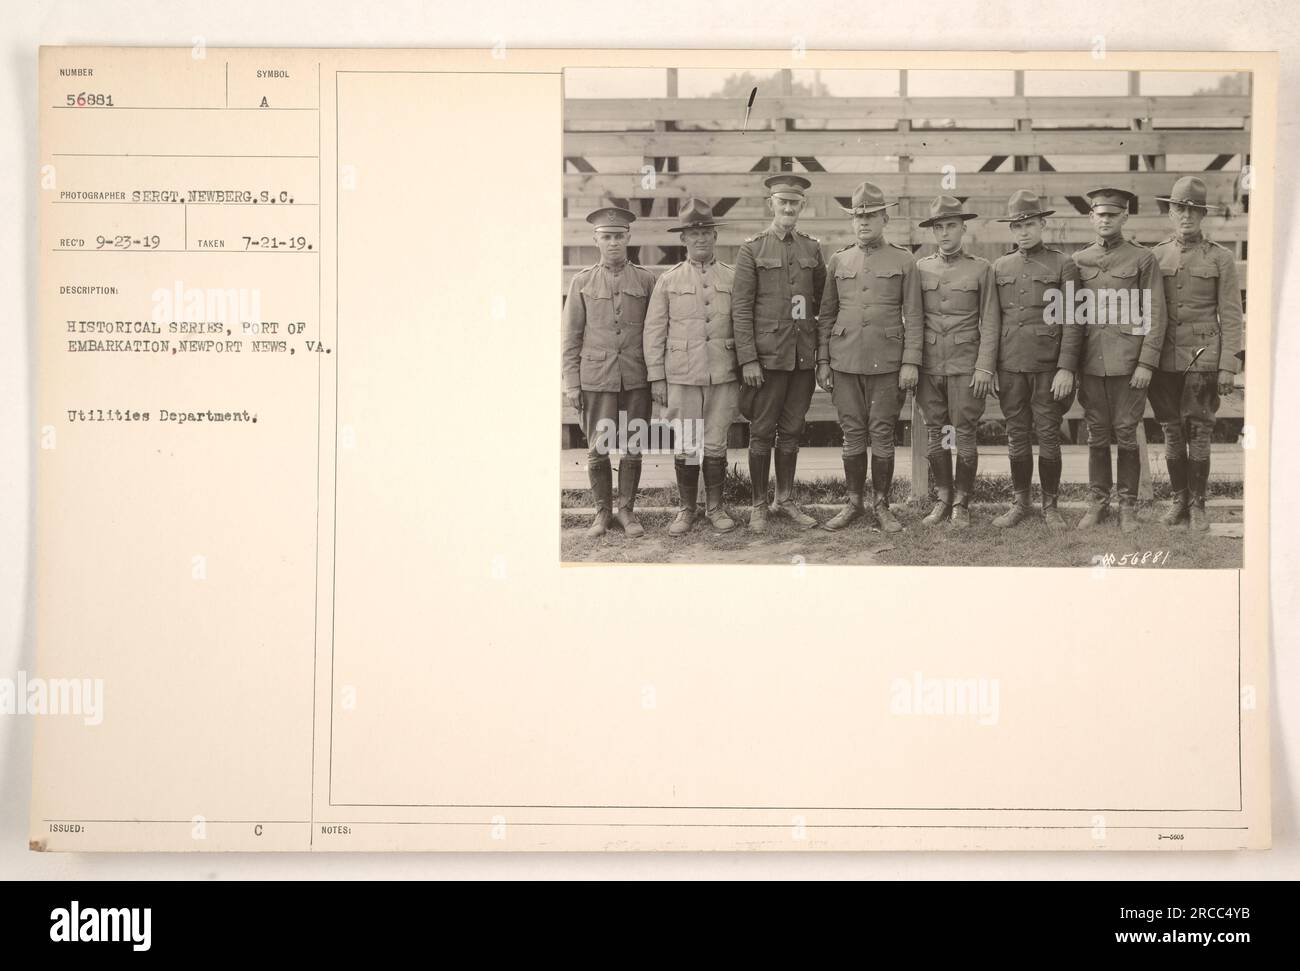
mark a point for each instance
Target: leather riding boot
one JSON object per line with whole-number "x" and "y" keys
{"x": 1128, "y": 470}
{"x": 882, "y": 480}
{"x": 1049, "y": 479}
{"x": 629, "y": 477}
{"x": 941, "y": 470}
{"x": 600, "y": 476}
{"x": 1198, "y": 478}
{"x": 855, "y": 477}
{"x": 759, "y": 467}
{"x": 1022, "y": 470}
{"x": 963, "y": 486}
{"x": 688, "y": 484}
{"x": 1099, "y": 483}
{"x": 783, "y": 504}
{"x": 1176, "y": 514}
{"x": 715, "y": 471}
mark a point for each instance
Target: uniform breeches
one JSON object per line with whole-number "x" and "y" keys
{"x": 706, "y": 412}
{"x": 776, "y": 410}
{"x": 950, "y": 409}
{"x": 1112, "y": 409}
{"x": 1185, "y": 404}
{"x": 1026, "y": 400}
{"x": 607, "y": 418}
{"x": 867, "y": 405}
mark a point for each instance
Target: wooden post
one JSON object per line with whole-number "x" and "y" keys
{"x": 1154, "y": 163}
{"x": 1023, "y": 163}
{"x": 1145, "y": 492}
{"x": 904, "y": 161}
{"x": 785, "y": 163}
{"x": 920, "y": 466}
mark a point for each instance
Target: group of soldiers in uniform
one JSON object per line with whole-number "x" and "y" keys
{"x": 709, "y": 341}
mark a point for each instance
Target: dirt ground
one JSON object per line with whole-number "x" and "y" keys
{"x": 1030, "y": 544}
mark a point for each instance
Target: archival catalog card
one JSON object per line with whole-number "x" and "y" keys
{"x": 652, "y": 450}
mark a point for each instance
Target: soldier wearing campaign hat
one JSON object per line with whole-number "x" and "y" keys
{"x": 1037, "y": 355}
{"x": 604, "y": 365}
{"x": 780, "y": 275}
{"x": 690, "y": 354}
{"x": 959, "y": 355}
{"x": 869, "y": 350}
{"x": 1200, "y": 354}
{"x": 1123, "y": 312}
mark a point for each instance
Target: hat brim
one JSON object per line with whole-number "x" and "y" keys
{"x": 867, "y": 210}
{"x": 682, "y": 229}
{"x": 926, "y": 223}
{"x": 1186, "y": 202}
{"x": 1025, "y": 215}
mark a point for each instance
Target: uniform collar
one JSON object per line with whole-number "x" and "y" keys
{"x": 701, "y": 266}
{"x": 777, "y": 234}
{"x": 1190, "y": 243}
{"x": 1033, "y": 251}
{"x": 872, "y": 246}
{"x": 1104, "y": 244}
{"x": 614, "y": 269}
{"x": 949, "y": 259}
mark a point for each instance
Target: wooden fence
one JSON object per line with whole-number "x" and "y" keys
{"x": 668, "y": 149}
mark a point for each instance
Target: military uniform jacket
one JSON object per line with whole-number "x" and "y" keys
{"x": 603, "y": 318}
{"x": 870, "y": 320}
{"x": 771, "y": 271}
{"x": 1029, "y": 343}
{"x": 1117, "y": 346}
{"x": 1203, "y": 302}
{"x": 688, "y": 338}
{"x": 962, "y": 316}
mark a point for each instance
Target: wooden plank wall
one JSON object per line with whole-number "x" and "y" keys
{"x": 666, "y": 132}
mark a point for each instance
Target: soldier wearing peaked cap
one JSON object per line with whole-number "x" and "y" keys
{"x": 1037, "y": 355}
{"x": 780, "y": 275}
{"x": 959, "y": 353}
{"x": 690, "y": 354}
{"x": 1199, "y": 357}
{"x": 604, "y": 366}
{"x": 869, "y": 350}
{"x": 1123, "y": 310}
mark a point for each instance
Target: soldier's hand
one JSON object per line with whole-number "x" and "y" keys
{"x": 659, "y": 391}
{"x": 1141, "y": 377}
{"x": 825, "y": 380}
{"x": 573, "y": 398}
{"x": 1062, "y": 384}
{"x": 1227, "y": 383}
{"x": 908, "y": 375}
{"x": 752, "y": 374}
{"x": 983, "y": 383}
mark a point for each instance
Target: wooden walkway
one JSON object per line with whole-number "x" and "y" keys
{"x": 1227, "y": 464}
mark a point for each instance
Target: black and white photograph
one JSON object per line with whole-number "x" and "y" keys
{"x": 905, "y": 317}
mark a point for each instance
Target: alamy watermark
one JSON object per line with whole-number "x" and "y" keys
{"x": 954, "y": 697}
{"x": 656, "y": 436}
{"x": 1099, "y": 307}
{"x": 53, "y": 696}
{"x": 237, "y": 308}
